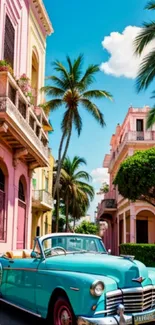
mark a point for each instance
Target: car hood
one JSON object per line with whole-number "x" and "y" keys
{"x": 122, "y": 270}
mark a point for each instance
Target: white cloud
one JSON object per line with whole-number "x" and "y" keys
{"x": 123, "y": 61}
{"x": 100, "y": 175}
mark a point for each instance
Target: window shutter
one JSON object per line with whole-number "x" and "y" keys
{"x": 9, "y": 41}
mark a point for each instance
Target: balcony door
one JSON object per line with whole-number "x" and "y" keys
{"x": 140, "y": 129}
{"x": 21, "y": 222}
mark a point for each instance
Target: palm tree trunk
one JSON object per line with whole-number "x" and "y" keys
{"x": 60, "y": 162}
{"x": 59, "y": 159}
{"x": 67, "y": 213}
{"x": 57, "y": 210}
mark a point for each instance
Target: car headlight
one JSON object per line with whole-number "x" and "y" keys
{"x": 97, "y": 288}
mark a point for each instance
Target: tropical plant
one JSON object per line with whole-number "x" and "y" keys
{"x": 147, "y": 68}
{"x": 136, "y": 176}
{"x": 87, "y": 228}
{"x": 146, "y": 71}
{"x": 104, "y": 188}
{"x": 70, "y": 90}
{"x": 76, "y": 193}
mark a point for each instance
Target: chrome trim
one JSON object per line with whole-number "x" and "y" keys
{"x": 75, "y": 289}
{"x": 20, "y": 269}
{"x": 137, "y": 290}
{"x": 100, "y": 312}
{"x": 21, "y": 308}
{"x": 135, "y": 300}
{"x": 93, "y": 286}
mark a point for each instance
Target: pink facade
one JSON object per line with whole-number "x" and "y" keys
{"x": 127, "y": 221}
{"x": 18, "y": 13}
{"x": 23, "y": 141}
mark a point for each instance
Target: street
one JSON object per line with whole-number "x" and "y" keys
{"x": 12, "y": 316}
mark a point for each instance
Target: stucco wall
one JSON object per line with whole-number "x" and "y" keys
{"x": 36, "y": 41}
{"x": 18, "y": 14}
{"x": 11, "y": 191}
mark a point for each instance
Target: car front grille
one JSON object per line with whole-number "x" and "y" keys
{"x": 134, "y": 300}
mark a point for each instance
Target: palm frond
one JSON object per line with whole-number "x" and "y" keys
{"x": 66, "y": 123}
{"x": 150, "y": 118}
{"x": 70, "y": 65}
{"x": 77, "y": 65}
{"x": 153, "y": 94}
{"x": 53, "y": 91}
{"x": 150, "y": 5}
{"x": 52, "y": 104}
{"x": 58, "y": 66}
{"x": 77, "y": 121}
{"x": 146, "y": 72}
{"x": 88, "y": 77}
{"x": 57, "y": 81}
{"x": 87, "y": 189}
{"x": 97, "y": 94}
{"x": 77, "y": 162}
{"x": 146, "y": 35}
{"x": 84, "y": 175}
{"x": 93, "y": 110}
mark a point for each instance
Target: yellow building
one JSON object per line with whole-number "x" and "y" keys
{"x": 42, "y": 201}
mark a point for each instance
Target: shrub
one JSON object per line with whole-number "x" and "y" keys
{"x": 142, "y": 252}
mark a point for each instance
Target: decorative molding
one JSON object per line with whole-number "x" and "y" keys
{"x": 15, "y": 162}
{"x": 4, "y": 128}
{"x": 33, "y": 165}
{"x": 20, "y": 153}
{"x": 42, "y": 13}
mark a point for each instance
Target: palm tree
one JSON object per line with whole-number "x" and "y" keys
{"x": 146, "y": 71}
{"x": 69, "y": 90}
{"x": 76, "y": 193}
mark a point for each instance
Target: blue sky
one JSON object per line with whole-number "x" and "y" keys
{"x": 80, "y": 27}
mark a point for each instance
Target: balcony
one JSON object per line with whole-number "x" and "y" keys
{"x": 42, "y": 200}
{"x": 108, "y": 204}
{"x": 20, "y": 128}
{"x": 132, "y": 138}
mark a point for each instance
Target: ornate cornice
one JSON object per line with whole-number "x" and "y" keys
{"x": 39, "y": 6}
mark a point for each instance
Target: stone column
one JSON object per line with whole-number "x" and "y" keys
{"x": 132, "y": 223}
{"x": 124, "y": 227}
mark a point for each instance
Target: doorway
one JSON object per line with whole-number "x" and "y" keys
{"x": 142, "y": 231}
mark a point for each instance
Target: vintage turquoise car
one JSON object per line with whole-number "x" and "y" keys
{"x": 70, "y": 278}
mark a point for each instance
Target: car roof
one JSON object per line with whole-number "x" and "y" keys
{"x": 63, "y": 234}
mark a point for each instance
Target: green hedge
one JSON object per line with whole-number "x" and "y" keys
{"x": 142, "y": 252}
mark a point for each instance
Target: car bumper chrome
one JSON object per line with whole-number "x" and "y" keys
{"x": 121, "y": 319}
{"x": 113, "y": 320}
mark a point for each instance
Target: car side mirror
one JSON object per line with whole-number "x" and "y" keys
{"x": 34, "y": 254}
{"x": 109, "y": 251}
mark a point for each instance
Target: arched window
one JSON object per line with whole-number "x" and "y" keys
{"x": 34, "y": 75}
{"x": 2, "y": 180}
{"x": 21, "y": 193}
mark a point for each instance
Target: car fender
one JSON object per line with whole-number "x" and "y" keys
{"x": 76, "y": 287}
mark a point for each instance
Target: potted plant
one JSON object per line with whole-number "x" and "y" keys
{"x": 5, "y": 66}
{"x": 24, "y": 85}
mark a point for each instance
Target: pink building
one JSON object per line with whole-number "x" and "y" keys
{"x": 127, "y": 221}
{"x": 23, "y": 141}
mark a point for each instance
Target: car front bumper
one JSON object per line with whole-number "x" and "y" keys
{"x": 135, "y": 319}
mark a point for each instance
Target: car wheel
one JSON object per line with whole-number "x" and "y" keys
{"x": 62, "y": 313}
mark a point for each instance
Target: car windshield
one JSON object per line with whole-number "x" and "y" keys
{"x": 74, "y": 244}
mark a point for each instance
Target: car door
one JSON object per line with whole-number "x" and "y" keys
{"x": 20, "y": 282}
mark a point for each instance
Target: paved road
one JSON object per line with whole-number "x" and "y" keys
{"x": 12, "y": 316}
